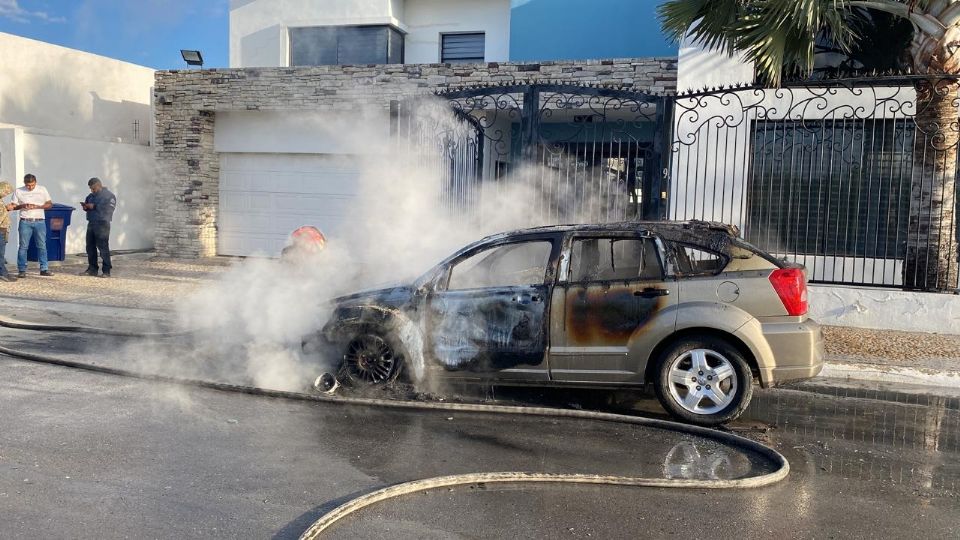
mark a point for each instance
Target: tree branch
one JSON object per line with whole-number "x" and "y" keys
{"x": 927, "y": 24}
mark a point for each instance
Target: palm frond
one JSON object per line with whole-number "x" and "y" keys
{"x": 780, "y": 35}
{"x": 706, "y": 21}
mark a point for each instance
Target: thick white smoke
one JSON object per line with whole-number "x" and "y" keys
{"x": 252, "y": 320}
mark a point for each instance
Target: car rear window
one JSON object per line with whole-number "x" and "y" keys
{"x": 695, "y": 261}
{"x": 743, "y": 244}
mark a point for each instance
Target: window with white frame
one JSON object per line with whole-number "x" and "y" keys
{"x": 462, "y": 48}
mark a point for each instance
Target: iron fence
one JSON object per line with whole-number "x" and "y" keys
{"x": 577, "y": 153}
{"x": 853, "y": 179}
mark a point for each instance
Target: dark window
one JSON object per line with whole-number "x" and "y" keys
{"x": 833, "y": 187}
{"x": 510, "y": 265}
{"x": 462, "y": 48}
{"x": 395, "y": 54}
{"x": 337, "y": 45}
{"x": 694, "y": 261}
{"x": 881, "y": 42}
{"x": 614, "y": 259}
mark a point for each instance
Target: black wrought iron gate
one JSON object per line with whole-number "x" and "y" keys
{"x": 574, "y": 153}
{"x": 845, "y": 177}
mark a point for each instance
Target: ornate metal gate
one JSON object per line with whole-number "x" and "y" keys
{"x": 573, "y": 153}
{"x": 836, "y": 175}
{"x": 444, "y": 143}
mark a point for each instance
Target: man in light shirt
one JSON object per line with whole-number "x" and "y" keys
{"x": 31, "y": 200}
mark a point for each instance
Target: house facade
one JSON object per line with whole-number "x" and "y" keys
{"x": 67, "y": 116}
{"x": 266, "y": 33}
{"x": 249, "y": 153}
{"x": 298, "y": 68}
{"x": 244, "y": 156}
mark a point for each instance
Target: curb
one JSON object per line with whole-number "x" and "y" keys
{"x": 77, "y": 308}
{"x": 889, "y": 374}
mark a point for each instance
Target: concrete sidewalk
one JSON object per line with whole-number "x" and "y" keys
{"x": 140, "y": 280}
{"x": 144, "y": 290}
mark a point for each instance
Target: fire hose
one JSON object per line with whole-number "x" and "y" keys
{"x": 17, "y": 325}
{"x": 782, "y": 466}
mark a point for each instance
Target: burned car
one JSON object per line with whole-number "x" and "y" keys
{"x": 686, "y": 306}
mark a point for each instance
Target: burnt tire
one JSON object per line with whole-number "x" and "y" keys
{"x": 703, "y": 380}
{"x": 372, "y": 359}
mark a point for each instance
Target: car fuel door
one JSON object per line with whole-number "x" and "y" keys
{"x": 490, "y": 321}
{"x": 610, "y": 292}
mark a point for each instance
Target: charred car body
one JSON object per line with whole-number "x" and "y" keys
{"x": 686, "y": 306}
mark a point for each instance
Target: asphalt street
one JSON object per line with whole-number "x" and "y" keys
{"x": 86, "y": 455}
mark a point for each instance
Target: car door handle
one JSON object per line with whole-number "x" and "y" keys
{"x": 526, "y": 298}
{"x": 652, "y": 292}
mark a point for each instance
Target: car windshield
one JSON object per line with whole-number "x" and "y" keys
{"x": 510, "y": 265}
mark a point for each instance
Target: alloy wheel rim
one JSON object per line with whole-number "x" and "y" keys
{"x": 370, "y": 359}
{"x": 702, "y": 381}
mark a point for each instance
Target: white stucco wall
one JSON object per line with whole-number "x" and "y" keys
{"x": 427, "y": 19}
{"x": 11, "y": 155}
{"x": 126, "y": 169}
{"x": 259, "y": 28}
{"x": 67, "y": 115}
{"x": 885, "y": 309}
{"x": 698, "y": 67}
{"x": 49, "y": 87}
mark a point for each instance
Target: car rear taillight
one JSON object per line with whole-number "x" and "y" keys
{"x": 791, "y": 287}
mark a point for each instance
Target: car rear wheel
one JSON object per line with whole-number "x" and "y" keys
{"x": 372, "y": 359}
{"x": 704, "y": 381}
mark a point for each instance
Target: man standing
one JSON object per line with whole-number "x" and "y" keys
{"x": 5, "y": 189}
{"x": 31, "y": 200}
{"x": 99, "y": 206}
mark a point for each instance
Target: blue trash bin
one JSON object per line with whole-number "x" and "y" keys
{"x": 57, "y": 219}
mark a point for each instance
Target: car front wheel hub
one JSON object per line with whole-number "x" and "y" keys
{"x": 370, "y": 359}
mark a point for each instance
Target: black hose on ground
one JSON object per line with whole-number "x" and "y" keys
{"x": 17, "y": 325}
{"x": 353, "y": 505}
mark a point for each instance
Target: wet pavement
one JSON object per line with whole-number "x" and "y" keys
{"x": 86, "y": 455}
{"x": 911, "y": 442}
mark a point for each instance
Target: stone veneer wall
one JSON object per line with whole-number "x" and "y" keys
{"x": 186, "y": 103}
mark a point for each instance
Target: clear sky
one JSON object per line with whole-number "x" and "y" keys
{"x": 564, "y": 30}
{"x": 152, "y": 32}
{"x": 146, "y": 32}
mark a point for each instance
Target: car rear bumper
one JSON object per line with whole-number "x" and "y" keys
{"x": 797, "y": 352}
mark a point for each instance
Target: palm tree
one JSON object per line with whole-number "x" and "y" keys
{"x": 779, "y": 36}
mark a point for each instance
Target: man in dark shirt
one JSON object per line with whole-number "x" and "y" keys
{"x": 99, "y": 206}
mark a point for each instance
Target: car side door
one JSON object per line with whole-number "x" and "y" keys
{"x": 611, "y": 289}
{"x": 490, "y": 319}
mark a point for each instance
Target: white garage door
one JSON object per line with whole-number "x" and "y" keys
{"x": 264, "y": 197}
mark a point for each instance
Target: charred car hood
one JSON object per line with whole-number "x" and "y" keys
{"x": 393, "y": 297}
{"x": 372, "y": 307}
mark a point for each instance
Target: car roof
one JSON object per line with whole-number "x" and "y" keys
{"x": 712, "y": 235}
{"x": 671, "y": 229}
